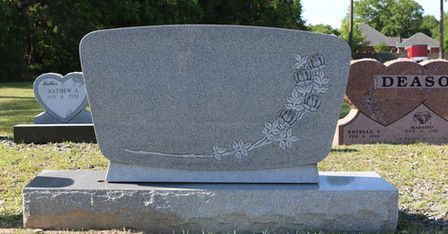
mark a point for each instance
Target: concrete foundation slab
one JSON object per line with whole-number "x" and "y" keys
{"x": 44, "y": 133}
{"x": 342, "y": 201}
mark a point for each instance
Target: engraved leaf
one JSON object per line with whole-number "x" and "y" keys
{"x": 265, "y": 131}
{"x": 289, "y": 133}
{"x": 322, "y": 90}
{"x": 283, "y": 134}
{"x": 293, "y": 139}
{"x": 235, "y": 145}
{"x": 238, "y": 155}
{"x": 298, "y": 57}
{"x": 295, "y": 94}
{"x": 304, "y": 90}
{"x": 282, "y": 145}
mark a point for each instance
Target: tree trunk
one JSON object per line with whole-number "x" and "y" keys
{"x": 350, "y": 30}
{"x": 441, "y": 55}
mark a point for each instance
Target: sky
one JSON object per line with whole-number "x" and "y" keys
{"x": 333, "y": 11}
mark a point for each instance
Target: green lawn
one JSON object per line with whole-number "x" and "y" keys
{"x": 419, "y": 171}
{"x": 17, "y": 106}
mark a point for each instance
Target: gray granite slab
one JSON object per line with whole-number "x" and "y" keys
{"x": 63, "y": 98}
{"x": 342, "y": 201}
{"x": 214, "y": 98}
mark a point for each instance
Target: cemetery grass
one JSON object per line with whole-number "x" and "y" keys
{"x": 17, "y": 106}
{"x": 419, "y": 171}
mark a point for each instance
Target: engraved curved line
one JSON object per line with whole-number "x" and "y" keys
{"x": 142, "y": 152}
{"x": 309, "y": 82}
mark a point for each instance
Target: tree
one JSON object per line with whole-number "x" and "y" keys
{"x": 323, "y": 28}
{"x": 358, "y": 41}
{"x": 382, "y": 48}
{"x": 274, "y": 13}
{"x": 430, "y": 26}
{"x": 11, "y": 42}
{"x": 391, "y": 17}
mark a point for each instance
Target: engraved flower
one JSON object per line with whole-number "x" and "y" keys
{"x": 241, "y": 148}
{"x": 271, "y": 131}
{"x": 303, "y": 77}
{"x": 299, "y": 61}
{"x": 287, "y": 139}
{"x": 289, "y": 117}
{"x": 316, "y": 61}
{"x": 311, "y": 103}
{"x": 218, "y": 151}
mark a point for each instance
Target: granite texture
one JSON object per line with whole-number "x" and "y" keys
{"x": 387, "y": 105}
{"x": 437, "y": 98}
{"x": 387, "y": 110}
{"x": 45, "y": 118}
{"x": 214, "y": 98}
{"x": 420, "y": 125}
{"x": 63, "y": 98}
{"x": 44, "y": 133}
{"x": 341, "y": 202}
{"x": 119, "y": 172}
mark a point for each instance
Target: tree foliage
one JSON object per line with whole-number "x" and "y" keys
{"x": 358, "y": 42}
{"x": 390, "y": 17}
{"x": 430, "y": 26}
{"x": 382, "y": 48}
{"x": 324, "y": 28}
{"x": 42, "y": 36}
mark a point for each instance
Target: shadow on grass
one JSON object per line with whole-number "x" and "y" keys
{"x": 11, "y": 221}
{"x": 6, "y": 138}
{"x": 18, "y": 97}
{"x": 20, "y": 104}
{"x": 420, "y": 223}
{"x": 17, "y": 85}
{"x": 344, "y": 150}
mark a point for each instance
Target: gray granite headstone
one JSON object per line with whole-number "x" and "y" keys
{"x": 214, "y": 103}
{"x": 63, "y": 98}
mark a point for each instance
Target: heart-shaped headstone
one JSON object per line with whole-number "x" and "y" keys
{"x": 437, "y": 100}
{"x": 63, "y": 97}
{"x": 384, "y": 105}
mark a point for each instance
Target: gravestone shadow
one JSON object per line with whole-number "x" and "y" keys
{"x": 408, "y": 221}
{"x": 50, "y": 182}
{"x": 344, "y": 150}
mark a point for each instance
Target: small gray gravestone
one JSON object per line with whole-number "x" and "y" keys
{"x": 252, "y": 108}
{"x": 63, "y": 98}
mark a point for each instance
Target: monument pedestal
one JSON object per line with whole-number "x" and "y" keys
{"x": 342, "y": 201}
{"x": 44, "y": 133}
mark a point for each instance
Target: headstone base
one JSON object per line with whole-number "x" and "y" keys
{"x": 44, "y": 133}
{"x": 342, "y": 201}
{"x": 45, "y": 118}
{"x": 120, "y": 172}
